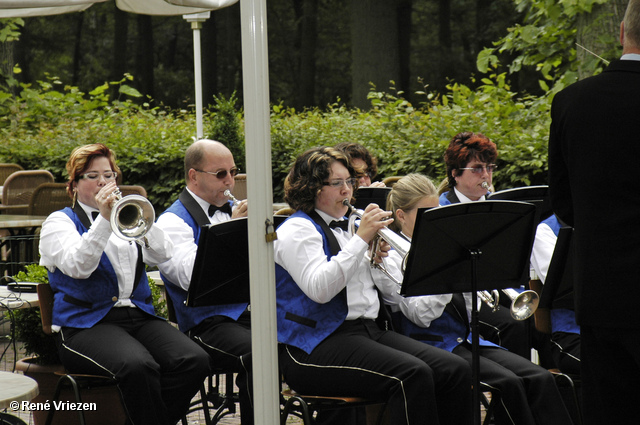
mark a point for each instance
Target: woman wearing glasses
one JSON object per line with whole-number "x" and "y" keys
{"x": 470, "y": 160}
{"x": 528, "y": 393}
{"x": 327, "y": 306}
{"x": 102, "y": 313}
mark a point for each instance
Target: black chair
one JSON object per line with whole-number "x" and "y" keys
{"x": 216, "y": 392}
{"x": 78, "y": 383}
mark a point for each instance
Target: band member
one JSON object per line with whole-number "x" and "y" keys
{"x": 528, "y": 393}
{"x": 363, "y": 162}
{"x": 223, "y": 330}
{"x": 103, "y": 319}
{"x": 327, "y": 304}
{"x": 565, "y": 332}
{"x": 470, "y": 159}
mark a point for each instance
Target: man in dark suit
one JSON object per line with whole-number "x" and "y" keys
{"x": 593, "y": 148}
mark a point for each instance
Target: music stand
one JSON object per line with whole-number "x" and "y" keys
{"x": 557, "y": 291}
{"x": 221, "y": 268}
{"x": 536, "y": 195}
{"x": 470, "y": 247}
{"x": 371, "y": 195}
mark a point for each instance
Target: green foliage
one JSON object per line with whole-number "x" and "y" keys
{"x": 225, "y": 127}
{"x": 407, "y": 138}
{"x": 28, "y": 323}
{"x": 546, "y": 41}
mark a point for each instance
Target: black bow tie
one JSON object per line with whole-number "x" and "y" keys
{"x": 94, "y": 215}
{"x": 339, "y": 224}
{"x": 226, "y": 208}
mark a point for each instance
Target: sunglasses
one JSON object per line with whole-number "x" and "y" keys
{"x": 222, "y": 173}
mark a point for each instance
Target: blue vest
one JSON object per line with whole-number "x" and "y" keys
{"x": 443, "y": 200}
{"x": 562, "y": 319}
{"x": 188, "y": 317}
{"x": 446, "y": 332}
{"x": 81, "y": 303}
{"x": 302, "y": 322}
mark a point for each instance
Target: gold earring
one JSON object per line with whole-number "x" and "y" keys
{"x": 75, "y": 197}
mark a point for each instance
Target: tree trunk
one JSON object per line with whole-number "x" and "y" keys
{"x": 374, "y": 48}
{"x": 144, "y": 56}
{"x": 121, "y": 32}
{"x": 404, "y": 44}
{"x": 596, "y": 30}
{"x": 445, "y": 67}
{"x": 308, "y": 41}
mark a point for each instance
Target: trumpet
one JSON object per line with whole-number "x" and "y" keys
{"x": 398, "y": 243}
{"x": 228, "y": 194}
{"x": 486, "y": 185}
{"x": 131, "y": 217}
{"x": 523, "y": 304}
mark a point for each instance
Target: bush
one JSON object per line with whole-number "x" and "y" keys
{"x": 41, "y": 126}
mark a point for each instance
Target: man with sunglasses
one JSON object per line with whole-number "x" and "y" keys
{"x": 222, "y": 330}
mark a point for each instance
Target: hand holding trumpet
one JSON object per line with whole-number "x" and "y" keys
{"x": 373, "y": 219}
{"x": 241, "y": 208}
{"x": 106, "y": 198}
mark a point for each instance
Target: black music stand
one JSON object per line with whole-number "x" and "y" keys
{"x": 536, "y": 195}
{"x": 470, "y": 247}
{"x": 371, "y": 195}
{"x": 221, "y": 269}
{"x": 557, "y": 291}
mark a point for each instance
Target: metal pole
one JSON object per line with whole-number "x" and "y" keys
{"x": 197, "y": 19}
{"x": 253, "y": 15}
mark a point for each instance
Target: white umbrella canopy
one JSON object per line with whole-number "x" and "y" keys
{"x": 253, "y": 17}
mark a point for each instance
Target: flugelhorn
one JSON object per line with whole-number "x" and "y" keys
{"x": 401, "y": 245}
{"x": 131, "y": 217}
{"x": 523, "y": 304}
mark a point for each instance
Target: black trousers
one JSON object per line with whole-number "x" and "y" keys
{"x": 158, "y": 368}
{"x": 565, "y": 348}
{"x": 610, "y": 370}
{"x": 228, "y": 343}
{"x": 423, "y": 384}
{"x": 528, "y": 393}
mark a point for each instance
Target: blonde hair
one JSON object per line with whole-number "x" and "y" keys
{"x": 406, "y": 193}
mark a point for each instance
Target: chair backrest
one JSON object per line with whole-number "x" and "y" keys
{"x": 132, "y": 190}
{"x": 18, "y": 188}
{"x": 390, "y": 181}
{"x": 240, "y": 189}
{"x": 49, "y": 197}
{"x": 6, "y": 170}
{"x": 45, "y": 298}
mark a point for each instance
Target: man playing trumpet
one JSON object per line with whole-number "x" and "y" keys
{"x": 222, "y": 330}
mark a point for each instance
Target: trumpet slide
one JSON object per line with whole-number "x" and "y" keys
{"x": 398, "y": 243}
{"x": 131, "y": 217}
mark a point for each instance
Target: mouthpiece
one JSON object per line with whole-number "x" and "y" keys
{"x": 228, "y": 194}
{"x": 346, "y": 203}
{"x": 486, "y": 185}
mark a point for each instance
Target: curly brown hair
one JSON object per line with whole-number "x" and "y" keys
{"x": 465, "y": 147}
{"x": 310, "y": 170}
{"x": 358, "y": 151}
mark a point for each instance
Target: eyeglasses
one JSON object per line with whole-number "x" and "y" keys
{"x": 222, "y": 173}
{"x": 94, "y": 175}
{"x": 479, "y": 168}
{"x": 339, "y": 183}
{"x": 363, "y": 174}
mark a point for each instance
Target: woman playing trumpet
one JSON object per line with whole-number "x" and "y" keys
{"x": 527, "y": 391}
{"x": 103, "y": 318}
{"x": 327, "y": 306}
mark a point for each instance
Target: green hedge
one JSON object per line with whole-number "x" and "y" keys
{"x": 41, "y": 126}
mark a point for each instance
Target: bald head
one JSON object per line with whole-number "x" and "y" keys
{"x": 202, "y": 160}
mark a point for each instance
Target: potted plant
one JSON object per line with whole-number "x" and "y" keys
{"x": 43, "y": 363}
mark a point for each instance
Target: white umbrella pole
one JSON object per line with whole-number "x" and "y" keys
{"x": 197, "y": 20}
{"x": 255, "y": 71}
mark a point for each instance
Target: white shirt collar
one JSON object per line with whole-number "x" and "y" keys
{"x": 326, "y": 217}
{"x": 203, "y": 204}
{"x": 463, "y": 199}
{"x": 87, "y": 210}
{"x": 630, "y": 57}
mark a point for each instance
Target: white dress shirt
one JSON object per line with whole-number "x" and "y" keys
{"x": 179, "y": 268}
{"x": 543, "y": 246}
{"x": 78, "y": 256}
{"x": 299, "y": 250}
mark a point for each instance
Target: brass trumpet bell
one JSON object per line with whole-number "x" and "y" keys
{"x": 132, "y": 217}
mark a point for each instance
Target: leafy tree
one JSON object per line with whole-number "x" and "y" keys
{"x": 547, "y": 41}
